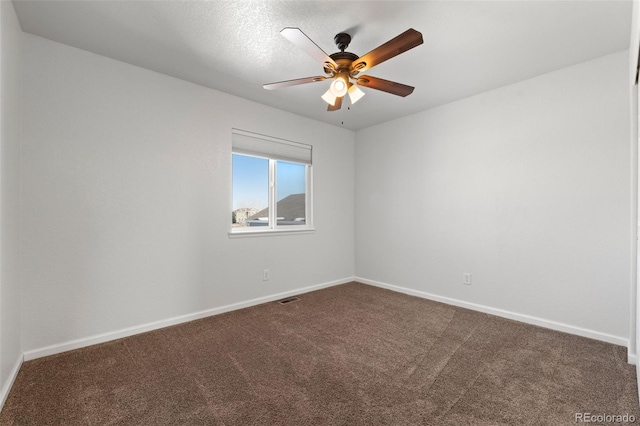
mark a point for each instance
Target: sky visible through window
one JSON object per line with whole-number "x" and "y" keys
{"x": 251, "y": 181}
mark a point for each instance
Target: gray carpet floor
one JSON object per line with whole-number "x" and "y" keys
{"x": 346, "y": 355}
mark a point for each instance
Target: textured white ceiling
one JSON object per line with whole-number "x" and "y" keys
{"x": 235, "y": 46}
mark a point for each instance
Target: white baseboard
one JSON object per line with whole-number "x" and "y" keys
{"x": 632, "y": 354}
{"x": 4, "y": 393}
{"x": 105, "y": 337}
{"x": 638, "y": 377}
{"x": 541, "y": 322}
{"x": 130, "y": 331}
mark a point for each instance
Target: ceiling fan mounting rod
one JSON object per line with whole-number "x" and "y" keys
{"x": 342, "y": 40}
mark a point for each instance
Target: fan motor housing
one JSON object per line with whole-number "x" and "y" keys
{"x": 343, "y": 60}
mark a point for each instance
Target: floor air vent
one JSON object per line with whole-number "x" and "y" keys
{"x": 288, "y": 300}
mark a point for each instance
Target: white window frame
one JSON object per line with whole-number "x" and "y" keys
{"x": 273, "y": 150}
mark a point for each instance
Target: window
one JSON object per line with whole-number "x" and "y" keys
{"x": 271, "y": 184}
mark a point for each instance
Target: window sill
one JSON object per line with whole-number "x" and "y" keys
{"x": 272, "y": 232}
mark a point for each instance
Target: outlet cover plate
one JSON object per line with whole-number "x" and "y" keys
{"x": 466, "y": 278}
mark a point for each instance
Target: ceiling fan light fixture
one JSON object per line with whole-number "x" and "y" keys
{"x": 355, "y": 94}
{"x": 329, "y": 97}
{"x": 338, "y": 86}
{"x": 343, "y": 66}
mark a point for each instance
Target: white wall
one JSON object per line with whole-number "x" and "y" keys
{"x": 10, "y": 76}
{"x": 634, "y": 44}
{"x": 126, "y": 199}
{"x": 526, "y": 187}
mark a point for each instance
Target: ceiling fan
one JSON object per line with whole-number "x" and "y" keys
{"x": 344, "y": 67}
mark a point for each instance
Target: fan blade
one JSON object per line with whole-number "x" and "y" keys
{"x": 300, "y": 39}
{"x": 336, "y": 106}
{"x": 385, "y": 85}
{"x": 295, "y": 82}
{"x": 400, "y": 44}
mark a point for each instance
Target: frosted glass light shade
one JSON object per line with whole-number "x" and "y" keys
{"x": 339, "y": 86}
{"x": 355, "y": 94}
{"x": 328, "y": 97}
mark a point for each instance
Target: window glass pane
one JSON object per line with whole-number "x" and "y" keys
{"x": 250, "y": 191}
{"x": 291, "y": 193}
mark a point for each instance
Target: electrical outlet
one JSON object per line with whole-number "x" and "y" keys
{"x": 265, "y": 275}
{"x": 466, "y": 278}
